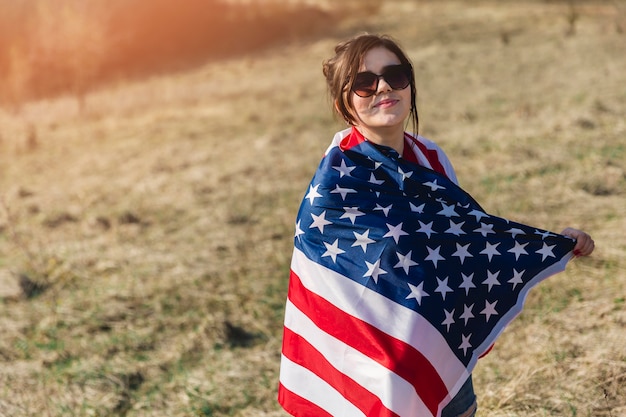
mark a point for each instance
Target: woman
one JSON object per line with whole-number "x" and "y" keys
{"x": 354, "y": 208}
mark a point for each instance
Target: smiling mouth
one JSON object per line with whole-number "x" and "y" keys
{"x": 386, "y": 103}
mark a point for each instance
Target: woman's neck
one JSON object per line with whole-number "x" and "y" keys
{"x": 392, "y": 137}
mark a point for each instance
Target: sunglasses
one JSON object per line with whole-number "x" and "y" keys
{"x": 397, "y": 76}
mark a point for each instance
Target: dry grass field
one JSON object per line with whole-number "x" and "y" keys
{"x": 145, "y": 236}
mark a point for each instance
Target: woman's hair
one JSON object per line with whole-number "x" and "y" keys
{"x": 341, "y": 69}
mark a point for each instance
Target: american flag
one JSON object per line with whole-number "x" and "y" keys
{"x": 399, "y": 282}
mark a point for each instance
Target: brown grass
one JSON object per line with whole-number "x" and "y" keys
{"x": 159, "y": 220}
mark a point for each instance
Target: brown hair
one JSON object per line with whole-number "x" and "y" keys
{"x": 341, "y": 69}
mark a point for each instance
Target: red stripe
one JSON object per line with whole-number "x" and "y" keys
{"x": 396, "y": 355}
{"x": 431, "y": 155}
{"x": 297, "y": 349}
{"x": 298, "y": 406}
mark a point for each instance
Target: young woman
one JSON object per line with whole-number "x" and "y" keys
{"x": 371, "y": 170}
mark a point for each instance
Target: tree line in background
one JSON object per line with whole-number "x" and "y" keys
{"x": 71, "y": 46}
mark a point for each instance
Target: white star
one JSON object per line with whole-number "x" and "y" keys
{"x": 343, "y": 169}
{"x": 417, "y": 292}
{"x": 373, "y": 180}
{"x": 517, "y": 278}
{"x": 492, "y": 279}
{"x": 405, "y": 175}
{"x": 465, "y": 344}
{"x": 433, "y": 185}
{"x": 519, "y": 250}
{"x": 299, "y": 231}
{"x": 514, "y": 231}
{"x": 448, "y": 210}
{"x": 395, "y": 232}
{"x": 405, "y": 261}
{"x": 449, "y": 319}
{"x": 374, "y": 270}
{"x": 442, "y": 287}
{"x": 385, "y": 210}
{"x": 456, "y": 229}
{"x": 467, "y": 282}
{"x": 417, "y": 209}
{"x": 489, "y": 310}
{"x": 426, "y": 228}
{"x": 319, "y": 221}
{"x": 478, "y": 214}
{"x": 543, "y": 233}
{"x": 490, "y": 250}
{"x": 433, "y": 255}
{"x": 351, "y": 213}
{"x": 467, "y": 313}
{"x": 546, "y": 251}
{"x": 462, "y": 252}
{"x": 313, "y": 194}
{"x": 343, "y": 191}
{"x": 362, "y": 240}
{"x": 485, "y": 229}
{"x": 333, "y": 250}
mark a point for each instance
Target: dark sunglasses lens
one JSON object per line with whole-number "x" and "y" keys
{"x": 397, "y": 77}
{"x": 365, "y": 84}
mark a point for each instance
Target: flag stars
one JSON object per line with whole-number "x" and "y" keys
{"x": 333, "y": 250}
{"x": 362, "y": 240}
{"x": 517, "y": 278}
{"x": 417, "y": 209}
{"x": 433, "y": 255}
{"x": 465, "y": 344}
{"x": 492, "y": 279}
{"x": 343, "y": 169}
{"x": 351, "y": 213}
{"x": 374, "y": 270}
{"x": 374, "y": 180}
{"x": 442, "y": 287}
{"x": 514, "y": 231}
{"x": 342, "y": 191}
{"x": 299, "y": 230}
{"x": 426, "y": 228}
{"x": 519, "y": 250}
{"x": 405, "y": 262}
{"x": 546, "y": 251}
{"x": 405, "y": 175}
{"x": 456, "y": 228}
{"x": 434, "y": 186}
{"x": 462, "y": 252}
{"x": 478, "y": 214}
{"x": 485, "y": 229}
{"x": 449, "y": 320}
{"x": 395, "y": 232}
{"x": 320, "y": 221}
{"x": 468, "y": 282}
{"x": 417, "y": 292}
{"x": 385, "y": 210}
{"x": 467, "y": 313}
{"x": 489, "y": 310}
{"x": 313, "y": 194}
{"x": 448, "y": 210}
{"x": 490, "y": 250}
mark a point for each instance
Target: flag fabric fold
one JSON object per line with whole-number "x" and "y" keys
{"x": 399, "y": 282}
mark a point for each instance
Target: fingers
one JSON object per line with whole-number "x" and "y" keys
{"x": 584, "y": 243}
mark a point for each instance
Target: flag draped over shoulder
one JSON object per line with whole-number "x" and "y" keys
{"x": 399, "y": 282}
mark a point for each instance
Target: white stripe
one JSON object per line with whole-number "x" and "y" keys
{"x": 306, "y": 384}
{"x": 392, "y": 318}
{"x": 394, "y": 392}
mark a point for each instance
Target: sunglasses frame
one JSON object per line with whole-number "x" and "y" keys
{"x": 402, "y": 68}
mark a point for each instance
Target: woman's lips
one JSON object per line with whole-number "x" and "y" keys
{"x": 386, "y": 103}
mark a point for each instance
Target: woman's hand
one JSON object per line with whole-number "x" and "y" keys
{"x": 584, "y": 242}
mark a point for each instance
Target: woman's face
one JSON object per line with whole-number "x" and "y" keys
{"x": 386, "y": 108}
